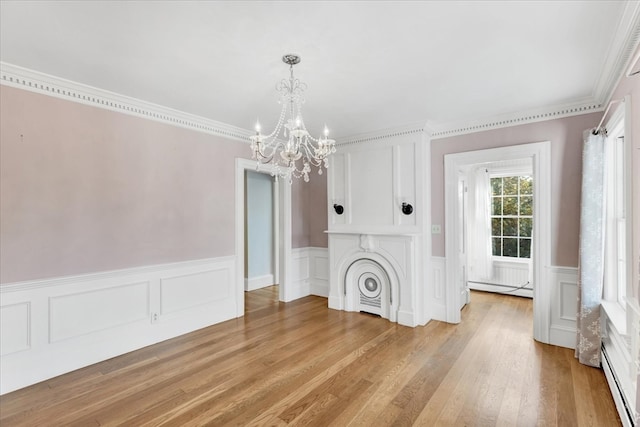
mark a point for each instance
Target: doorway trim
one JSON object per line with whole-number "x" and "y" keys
{"x": 540, "y": 153}
{"x": 282, "y": 211}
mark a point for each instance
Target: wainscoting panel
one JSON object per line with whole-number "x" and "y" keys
{"x": 15, "y": 327}
{"x": 53, "y": 326}
{"x": 436, "y": 292}
{"x": 191, "y": 290}
{"x": 568, "y": 301}
{"x": 319, "y": 262}
{"x": 564, "y": 306}
{"x": 96, "y": 309}
{"x": 310, "y": 270}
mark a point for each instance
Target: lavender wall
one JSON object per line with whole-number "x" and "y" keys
{"x": 309, "y": 211}
{"x": 566, "y": 157}
{"x": 317, "y": 211}
{"x": 85, "y": 189}
{"x": 299, "y": 222}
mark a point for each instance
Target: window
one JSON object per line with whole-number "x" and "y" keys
{"x": 512, "y": 215}
{"x": 615, "y": 266}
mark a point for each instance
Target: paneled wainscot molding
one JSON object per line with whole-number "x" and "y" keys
{"x": 50, "y": 327}
{"x": 310, "y": 272}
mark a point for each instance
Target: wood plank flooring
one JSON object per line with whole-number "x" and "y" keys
{"x": 303, "y": 364}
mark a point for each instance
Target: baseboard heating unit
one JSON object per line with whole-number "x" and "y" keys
{"x": 624, "y": 409}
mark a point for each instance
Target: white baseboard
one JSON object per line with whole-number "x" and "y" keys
{"x": 253, "y": 283}
{"x": 406, "y": 318}
{"x": 51, "y": 327}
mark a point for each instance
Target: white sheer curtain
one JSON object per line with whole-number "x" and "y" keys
{"x": 591, "y": 268}
{"x": 479, "y": 221}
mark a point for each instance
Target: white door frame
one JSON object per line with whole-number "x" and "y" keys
{"x": 282, "y": 203}
{"x": 540, "y": 153}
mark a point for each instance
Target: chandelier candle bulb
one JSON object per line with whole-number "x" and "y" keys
{"x": 296, "y": 142}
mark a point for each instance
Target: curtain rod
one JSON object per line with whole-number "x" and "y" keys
{"x": 606, "y": 111}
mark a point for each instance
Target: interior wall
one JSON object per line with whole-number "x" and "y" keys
{"x": 259, "y": 219}
{"x": 309, "y": 211}
{"x": 299, "y": 222}
{"x": 565, "y": 135}
{"x": 317, "y": 210}
{"x": 84, "y": 189}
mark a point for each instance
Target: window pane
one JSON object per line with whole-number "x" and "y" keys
{"x": 510, "y": 247}
{"x": 526, "y": 185}
{"x": 525, "y": 248}
{"x": 512, "y": 211}
{"x": 496, "y": 186}
{"x": 496, "y": 206}
{"x": 510, "y": 185}
{"x": 496, "y": 226}
{"x": 526, "y": 224}
{"x": 526, "y": 205}
{"x": 510, "y": 227}
{"x": 510, "y": 206}
{"x": 497, "y": 246}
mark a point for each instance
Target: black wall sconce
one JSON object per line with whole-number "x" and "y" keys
{"x": 338, "y": 208}
{"x": 407, "y": 209}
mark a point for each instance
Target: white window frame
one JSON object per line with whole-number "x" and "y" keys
{"x": 501, "y": 172}
{"x": 618, "y": 244}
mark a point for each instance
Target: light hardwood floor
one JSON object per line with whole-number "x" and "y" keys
{"x": 303, "y": 364}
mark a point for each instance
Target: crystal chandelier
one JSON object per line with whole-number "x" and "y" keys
{"x": 296, "y": 143}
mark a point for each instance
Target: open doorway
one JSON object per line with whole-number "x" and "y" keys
{"x": 456, "y": 247}
{"x": 281, "y": 211}
{"x": 260, "y": 237}
{"x": 497, "y": 229}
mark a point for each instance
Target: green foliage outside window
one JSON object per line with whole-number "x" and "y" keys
{"x": 512, "y": 216}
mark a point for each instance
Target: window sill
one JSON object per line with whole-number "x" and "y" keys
{"x": 616, "y": 315}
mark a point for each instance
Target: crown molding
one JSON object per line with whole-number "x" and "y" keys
{"x": 380, "y": 135}
{"x": 620, "y": 53}
{"x": 623, "y": 46}
{"x": 35, "y": 81}
{"x": 446, "y": 130}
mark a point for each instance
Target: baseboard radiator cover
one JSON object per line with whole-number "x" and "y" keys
{"x": 622, "y": 405}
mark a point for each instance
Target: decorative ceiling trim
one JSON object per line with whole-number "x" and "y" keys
{"x": 508, "y": 120}
{"x": 34, "y": 81}
{"x": 411, "y": 129}
{"x": 624, "y": 44}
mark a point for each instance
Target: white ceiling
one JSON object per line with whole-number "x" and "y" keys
{"x": 368, "y": 65}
